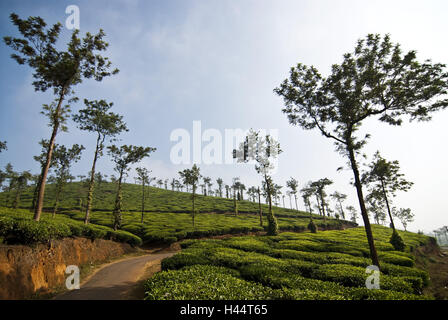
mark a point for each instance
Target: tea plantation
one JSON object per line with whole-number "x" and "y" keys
{"x": 156, "y": 200}
{"x": 167, "y": 216}
{"x": 18, "y": 227}
{"x": 325, "y": 265}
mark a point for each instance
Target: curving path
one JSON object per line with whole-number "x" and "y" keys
{"x": 114, "y": 281}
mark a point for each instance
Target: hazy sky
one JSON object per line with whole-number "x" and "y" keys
{"x": 218, "y": 62}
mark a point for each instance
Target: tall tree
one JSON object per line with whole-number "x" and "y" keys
{"x": 3, "y": 177}
{"x": 123, "y": 157}
{"x": 11, "y": 176}
{"x": 320, "y": 186}
{"x": 191, "y": 177}
{"x": 376, "y": 206}
{"x": 385, "y": 177}
{"x": 251, "y": 192}
{"x": 264, "y": 150}
{"x": 353, "y": 213}
{"x": 293, "y": 184}
{"x": 339, "y": 198}
{"x": 98, "y": 119}
{"x": 288, "y": 193}
{"x": 260, "y": 210}
{"x": 241, "y": 188}
{"x": 276, "y": 192}
{"x": 64, "y": 158}
{"x": 20, "y": 185}
{"x": 58, "y": 70}
{"x": 207, "y": 183}
{"x": 143, "y": 178}
{"x": 375, "y": 80}
{"x": 307, "y": 193}
{"x": 41, "y": 159}
{"x": 404, "y": 215}
{"x": 235, "y": 187}
{"x": 220, "y": 182}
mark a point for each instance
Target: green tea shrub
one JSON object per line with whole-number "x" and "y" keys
{"x": 126, "y": 237}
{"x": 397, "y": 241}
{"x": 203, "y": 282}
{"x": 312, "y": 226}
{"x": 394, "y": 258}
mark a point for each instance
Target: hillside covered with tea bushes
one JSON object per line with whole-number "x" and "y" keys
{"x": 325, "y": 265}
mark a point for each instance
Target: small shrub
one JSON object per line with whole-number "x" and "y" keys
{"x": 126, "y": 237}
{"x": 272, "y": 225}
{"x": 397, "y": 241}
{"x": 312, "y": 226}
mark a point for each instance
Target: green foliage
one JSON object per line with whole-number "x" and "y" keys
{"x": 397, "y": 241}
{"x": 58, "y": 70}
{"x": 166, "y": 218}
{"x": 325, "y": 265}
{"x": 157, "y": 200}
{"x": 312, "y": 226}
{"x": 18, "y": 227}
{"x": 203, "y": 282}
{"x": 272, "y": 225}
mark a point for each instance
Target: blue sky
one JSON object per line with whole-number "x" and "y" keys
{"x": 218, "y": 62}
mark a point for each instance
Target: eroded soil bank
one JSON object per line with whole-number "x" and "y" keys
{"x": 26, "y": 271}
{"x": 434, "y": 260}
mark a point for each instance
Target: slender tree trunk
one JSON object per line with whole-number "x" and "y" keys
{"x": 387, "y": 205}
{"x": 17, "y": 199}
{"x": 143, "y": 198}
{"x": 322, "y": 205}
{"x": 92, "y": 180}
{"x": 260, "y": 210}
{"x": 365, "y": 217}
{"x": 56, "y": 200}
{"x": 117, "y": 208}
{"x": 272, "y": 222}
{"x": 46, "y": 167}
{"x": 290, "y": 202}
{"x": 295, "y": 199}
{"x": 318, "y": 204}
{"x": 8, "y": 198}
{"x": 194, "y": 194}
{"x": 342, "y": 210}
{"x": 235, "y": 205}
{"x": 36, "y": 191}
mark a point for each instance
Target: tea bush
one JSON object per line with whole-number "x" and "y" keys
{"x": 325, "y": 265}
{"x": 18, "y": 227}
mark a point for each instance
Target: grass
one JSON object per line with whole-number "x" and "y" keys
{"x": 327, "y": 265}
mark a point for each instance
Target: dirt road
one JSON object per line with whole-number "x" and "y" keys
{"x": 115, "y": 281}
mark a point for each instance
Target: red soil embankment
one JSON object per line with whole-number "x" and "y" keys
{"x": 28, "y": 270}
